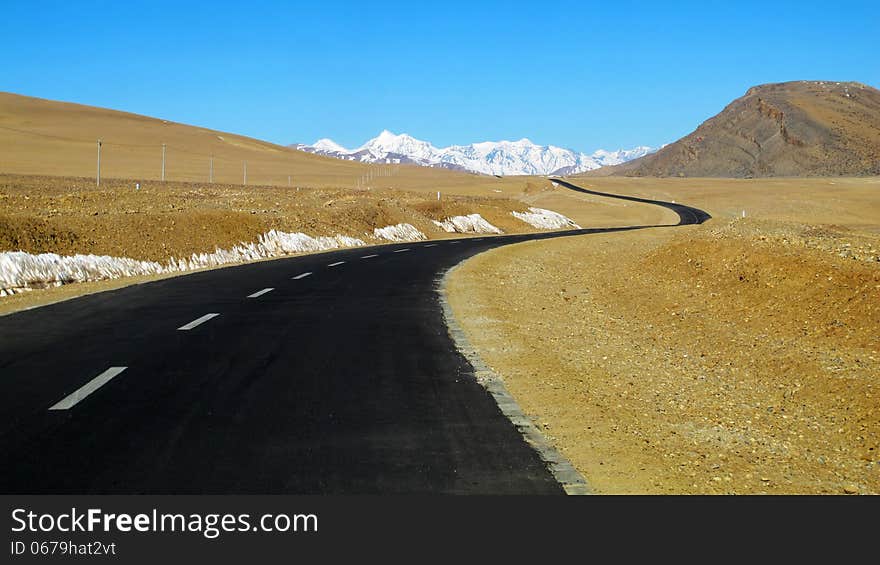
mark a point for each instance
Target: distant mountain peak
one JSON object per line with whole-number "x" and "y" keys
{"x": 328, "y": 145}
{"x": 390, "y": 135}
{"x": 521, "y": 157}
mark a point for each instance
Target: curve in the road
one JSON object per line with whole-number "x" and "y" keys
{"x": 325, "y": 373}
{"x": 688, "y": 215}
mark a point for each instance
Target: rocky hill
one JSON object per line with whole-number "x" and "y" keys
{"x": 803, "y": 128}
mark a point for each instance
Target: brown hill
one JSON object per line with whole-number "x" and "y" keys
{"x": 803, "y": 128}
{"x": 48, "y": 137}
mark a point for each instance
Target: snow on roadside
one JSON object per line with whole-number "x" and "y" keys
{"x": 473, "y": 223}
{"x": 399, "y": 232}
{"x": 545, "y": 219}
{"x": 21, "y": 271}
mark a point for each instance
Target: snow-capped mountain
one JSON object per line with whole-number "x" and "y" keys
{"x": 328, "y": 146}
{"x": 490, "y": 157}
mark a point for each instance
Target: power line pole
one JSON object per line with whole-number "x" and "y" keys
{"x": 163, "y": 162}
{"x": 98, "y": 177}
{"x": 211, "y": 170}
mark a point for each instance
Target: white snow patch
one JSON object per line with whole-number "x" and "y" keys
{"x": 473, "y": 223}
{"x": 20, "y": 271}
{"x": 545, "y": 219}
{"x": 399, "y": 232}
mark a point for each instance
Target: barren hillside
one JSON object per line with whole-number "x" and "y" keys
{"x": 802, "y": 128}
{"x": 48, "y": 137}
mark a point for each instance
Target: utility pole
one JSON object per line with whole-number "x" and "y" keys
{"x": 163, "y": 162}
{"x": 244, "y": 177}
{"x": 98, "y": 178}
{"x": 211, "y": 170}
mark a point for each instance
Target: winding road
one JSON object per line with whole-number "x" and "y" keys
{"x": 327, "y": 373}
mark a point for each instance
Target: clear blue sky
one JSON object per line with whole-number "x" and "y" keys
{"x": 577, "y": 74}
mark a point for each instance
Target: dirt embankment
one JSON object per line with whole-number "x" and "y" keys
{"x": 158, "y": 221}
{"x": 162, "y": 220}
{"x": 741, "y": 356}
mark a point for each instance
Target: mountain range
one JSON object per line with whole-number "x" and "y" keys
{"x": 490, "y": 157}
{"x": 798, "y": 128}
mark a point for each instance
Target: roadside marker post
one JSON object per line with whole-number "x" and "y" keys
{"x": 98, "y": 177}
{"x": 163, "y": 162}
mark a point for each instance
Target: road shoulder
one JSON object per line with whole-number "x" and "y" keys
{"x": 563, "y": 471}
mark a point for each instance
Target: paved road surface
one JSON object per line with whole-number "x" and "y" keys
{"x": 329, "y": 373}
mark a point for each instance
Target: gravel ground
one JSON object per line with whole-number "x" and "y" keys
{"x": 741, "y": 356}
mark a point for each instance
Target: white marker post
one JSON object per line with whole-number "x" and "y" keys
{"x": 98, "y": 178}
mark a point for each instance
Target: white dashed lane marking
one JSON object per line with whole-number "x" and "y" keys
{"x": 431, "y": 245}
{"x": 76, "y": 396}
{"x": 302, "y": 276}
{"x": 336, "y": 264}
{"x": 260, "y": 293}
{"x": 402, "y": 250}
{"x": 368, "y": 256}
{"x": 198, "y": 321}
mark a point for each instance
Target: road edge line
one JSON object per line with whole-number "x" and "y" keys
{"x": 572, "y": 482}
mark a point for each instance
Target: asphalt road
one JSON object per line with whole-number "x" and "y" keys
{"x": 344, "y": 380}
{"x": 686, "y": 214}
